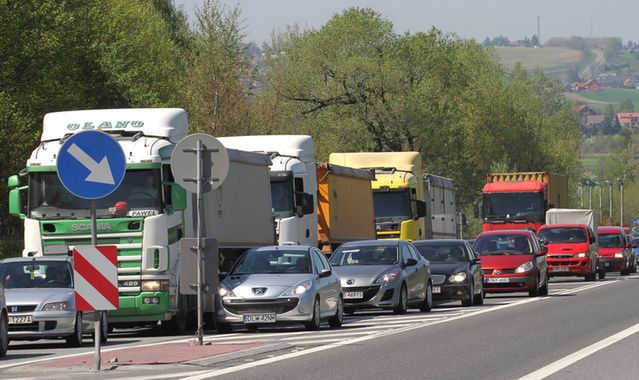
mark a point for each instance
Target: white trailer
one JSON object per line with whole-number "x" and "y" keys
{"x": 442, "y": 212}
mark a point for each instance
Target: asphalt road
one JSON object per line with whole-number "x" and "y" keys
{"x": 581, "y": 330}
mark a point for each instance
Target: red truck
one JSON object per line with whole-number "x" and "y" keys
{"x": 517, "y": 201}
{"x": 615, "y": 250}
{"x": 573, "y": 250}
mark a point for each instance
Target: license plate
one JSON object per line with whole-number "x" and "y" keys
{"x": 437, "y": 289}
{"x": 606, "y": 264}
{"x": 20, "y": 320}
{"x": 259, "y": 318}
{"x": 353, "y": 295}
{"x": 560, "y": 269}
{"x": 497, "y": 280}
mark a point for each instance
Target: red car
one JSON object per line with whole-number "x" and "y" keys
{"x": 614, "y": 250}
{"x": 512, "y": 261}
{"x": 572, "y": 250}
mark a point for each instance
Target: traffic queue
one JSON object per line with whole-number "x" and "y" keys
{"x": 365, "y": 230}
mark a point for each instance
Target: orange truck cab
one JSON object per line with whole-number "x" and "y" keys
{"x": 573, "y": 249}
{"x": 615, "y": 250}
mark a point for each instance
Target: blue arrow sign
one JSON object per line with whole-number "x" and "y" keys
{"x": 91, "y": 164}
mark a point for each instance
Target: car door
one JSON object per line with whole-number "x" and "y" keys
{"x": 323, "y": 283}
{"x": 475, "y": 267}
{"x": 422, "y": 271}
{"x": 334, "y": 290}
{"x": 410, "y": 272}
{"x": 593, "y": 248}
{"x": 542, "y": 265}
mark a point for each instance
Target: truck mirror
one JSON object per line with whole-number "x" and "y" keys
{"x": 178, "y": 197}
{"x": 308, "y": 203}
{"x": 421, "y": 208}
{"x": 13, "y": 182}
{"x": 15, "y": 202}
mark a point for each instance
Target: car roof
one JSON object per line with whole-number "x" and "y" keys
{"x": 562, "y": 225}
{"x": 36, "y": 259}
{"x": 506, "y": 232}
{"x": 287, "y": 247}
{"x": 384, "y": 243}
{"x": 610, "y": 229}
{"x": 439, "y": 241}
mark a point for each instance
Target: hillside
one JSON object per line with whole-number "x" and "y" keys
{"x": 598, "y": 100}
{"x": 544, "y": 58}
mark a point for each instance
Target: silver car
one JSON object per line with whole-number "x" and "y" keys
{"x": 388, "y": 274}
{"x": 279, "y": 284}
{"x": 4, "y": 322}
{"x": 40, "y": 301}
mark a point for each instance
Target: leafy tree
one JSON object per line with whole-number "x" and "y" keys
{"x": 626, "y": 105}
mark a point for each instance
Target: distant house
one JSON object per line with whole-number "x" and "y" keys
{"x": 583, "y": 111}
{"x": 596, "y": 122}
{"x": 588, "y": 86}
{"x": 616, "y": 81}
{"x": 628, "y": 119}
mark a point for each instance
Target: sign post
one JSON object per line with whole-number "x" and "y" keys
{"x": 211, "y": 168}
{"x": 91, "y": 165}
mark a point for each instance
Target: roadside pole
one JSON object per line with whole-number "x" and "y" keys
{"x": 96, "y": 324}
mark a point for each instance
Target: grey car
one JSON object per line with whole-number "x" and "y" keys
{"x": 279, "y": 284}
{"x": 4, "y": 322}
{"x": 388, "y": 274}
{"x": 40, "y": 300}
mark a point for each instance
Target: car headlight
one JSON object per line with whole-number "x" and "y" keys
{"x": 224, "y": 291}
{"x": 525, "y": 267}
{"x": 298, "y": 289}
{"x": 57, "y": 306}
{"x": 582, "y": 254}
{"x": 387, "y": 277}
{"x": 457, "y": 277}
{"x": 619, "y": 254}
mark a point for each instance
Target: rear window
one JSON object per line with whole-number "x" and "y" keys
{"x": 611, "y": 241}
{"x": 563, "y": 235}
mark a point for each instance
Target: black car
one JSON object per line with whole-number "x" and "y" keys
{"x": 456, "y": 271}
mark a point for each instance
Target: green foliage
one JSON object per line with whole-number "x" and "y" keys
{"x": 626, "y": 105}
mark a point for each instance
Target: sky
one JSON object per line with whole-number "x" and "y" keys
{"x": 476, "y": 19}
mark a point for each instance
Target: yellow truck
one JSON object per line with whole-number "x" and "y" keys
{"x": 398, "y": 191}
{"x": 344, "y": 205}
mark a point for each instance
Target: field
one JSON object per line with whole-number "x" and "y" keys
{"x": 599, "y": 99}
{"x": 544, "y": 58}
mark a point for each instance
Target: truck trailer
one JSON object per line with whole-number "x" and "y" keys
{"x": 520, "y": 200}
{"x": 147, "y": 215}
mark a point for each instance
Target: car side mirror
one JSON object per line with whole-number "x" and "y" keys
{"x": 542, "y": 250}
{"x": 222, "y": 275}
{"x": 476, "y": 261}
{"x": 420, "y": 207}
{"x": 325, "y": 273}
{"x": 410, "y": 262}
{"x": 592, "y": 239}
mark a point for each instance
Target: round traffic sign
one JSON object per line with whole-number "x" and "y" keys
{"x": 214, "y": 164}
{"x": 91, "y": 164}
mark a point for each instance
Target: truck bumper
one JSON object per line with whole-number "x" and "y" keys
{"x": 144, "y": 307}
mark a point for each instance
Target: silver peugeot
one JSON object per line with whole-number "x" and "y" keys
{"x": 40, "y": 301}
{"x": 388, "y": 274}
{"x": 279, "y": 284}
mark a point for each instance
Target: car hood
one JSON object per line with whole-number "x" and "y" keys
{"x": 567, "y": 248}
{"x": 361, "y": 275}
{"x": 609, "y": 251}
{"x": 37, "y": 296}
{"x": 447, "y": 268}
{"x": 275, "y": 284}
{"x": 504, "y": 261}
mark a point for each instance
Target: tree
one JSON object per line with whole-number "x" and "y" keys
{"x": 626, "y": 105}
{"x": 534, "y": 40}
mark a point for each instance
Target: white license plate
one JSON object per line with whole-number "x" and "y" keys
{"x": 259, "y": 318}
{"x": 560, "y": 269}
{"x": 497, "y": 280}
{"x": 20, "y": 320}
{"x": 606, "y": 263}
{"x": 353, "y": 295}
{"x": 437, "y": 289}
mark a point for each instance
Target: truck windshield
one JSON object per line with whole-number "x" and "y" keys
{"x": 282, "y": 197}
{"x": 138, "y": 195}
{"x": 392, "y": 204}
{"x": 610, "y": 241}
{"x": 514, "y": 206}
{"x": 563, "y": 235}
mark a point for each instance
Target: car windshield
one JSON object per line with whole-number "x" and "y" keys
{"x": 365, "y": 255}
{"x": 555, "y": 235}
{"x": 273, "y": 261}
{"x": 36, "y": 274}
{"x": 502, "y": 244}
{"x": 610, "y": 241}
{"x": 392, "y": 204}
{"x": 442, "y": 253}
{"x": 514, "y": 206}
{"x": 138, "y": 195}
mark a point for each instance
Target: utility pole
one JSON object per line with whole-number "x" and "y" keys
{"x": 621, "y": 180}
{"x": 581, "y": 194}
{"x": 600, "y": 202}
{"x": 538, "y": 31}
{"x": 590, "y": 194}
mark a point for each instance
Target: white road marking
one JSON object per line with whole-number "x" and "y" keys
{"x": 584, "y": 352}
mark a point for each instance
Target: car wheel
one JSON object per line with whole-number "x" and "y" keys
{"x": 470, "y": 300}
{"x": 4, "y": 334}
{"x": 315, "y": 322}
{"x": 591, "y": 276}
{"x": 625, "y": 272}
{"x": 479, "y": 298}
{"x": 634, "y": 267}
{"x": 223, "y": 328}
{"x": 336, "y": 320}
{"x": 543, "y": 291}
{"x": 535, "y": 290}
{"x": 602, "y": 274}
{"x": 427, "y": 304}
{"x": 402, "y": 303}
{"x": 75, "y": 339}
